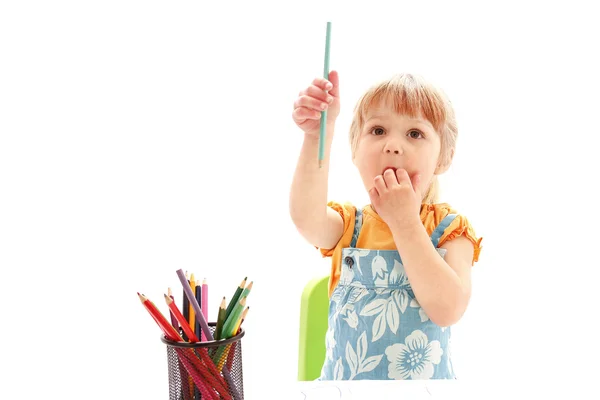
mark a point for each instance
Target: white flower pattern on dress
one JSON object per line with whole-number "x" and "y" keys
{"x": 415, "y": 358}
{"x": 415, "y": 304}
{"x": 330, "y": 343}
{"x": 387, "y": 310}
{"x": 356, "y": 359}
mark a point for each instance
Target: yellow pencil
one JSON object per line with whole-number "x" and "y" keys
{"x": 241, "y": 321}
{"x": 231, "y": 347}
{"x": 192, "y": 320}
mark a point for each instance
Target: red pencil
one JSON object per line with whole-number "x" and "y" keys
{"x": 167, "y": 328}
{"x": 182, "y": 321}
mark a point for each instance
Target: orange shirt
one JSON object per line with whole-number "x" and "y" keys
{"x": 375, "y": 234}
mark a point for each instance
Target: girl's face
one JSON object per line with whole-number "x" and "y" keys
{"x": 392, "y": 140}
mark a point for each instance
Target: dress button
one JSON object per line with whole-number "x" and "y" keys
{"x": 349, "y": 261}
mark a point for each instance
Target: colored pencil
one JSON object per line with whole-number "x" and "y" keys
{"x": 220, "y": 320}
{"x": 196, "y": 326}
{"x": 324, "y": 113}
{"x": 246, "y": 291}
{"x": 228, "y": 327}
{"x": 185, "y": 306}
{"x": 235, "y": 297}
{"x": 231, "y": 352}
{"x": 173, "y": 319}
{"x": 168, "y": 330}
{"x": 210, "y": 366}
{"x": 241, "y": 321}
{"x": 198, "y": 295}
{"x": 204, "y": 303}
{"x": 205, "y": 328}
{"x": 182, "y": 321}
{"x": 231, "y": 322}
{"x": 192, "y": 316}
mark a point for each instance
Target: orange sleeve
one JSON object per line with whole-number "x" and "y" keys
{"x": 462, "y": 227}
{"x": 348, "y": 212}
{"x": 433, "y": 214}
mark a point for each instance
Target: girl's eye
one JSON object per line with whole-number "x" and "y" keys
{"x": 377, "y": 131}
{"x": 415, "y": 134}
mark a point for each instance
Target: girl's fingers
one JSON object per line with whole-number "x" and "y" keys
{"x": 301, "y": 114}
{"x": 322, "y": 83}
{"x": 380, "y": 184}
{"x": 390, "y": 177}
{"x": 318, "y": 93}
{"x": 335, "y": 82}
{"x": 310, "y": 102}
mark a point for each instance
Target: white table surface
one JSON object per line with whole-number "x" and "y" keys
{"x": 376, "y": 390}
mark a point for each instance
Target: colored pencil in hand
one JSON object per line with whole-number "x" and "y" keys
{"x": 323, "y": 125}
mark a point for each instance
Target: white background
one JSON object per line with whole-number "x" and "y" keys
{"x": 138, "y": 138}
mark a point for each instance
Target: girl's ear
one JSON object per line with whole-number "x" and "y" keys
{"x": 441, "y": 168}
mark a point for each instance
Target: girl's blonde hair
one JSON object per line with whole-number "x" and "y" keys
{"x": 412, "y": 95}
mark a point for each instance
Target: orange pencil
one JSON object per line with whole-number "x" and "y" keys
{"x": 192, "y": 319}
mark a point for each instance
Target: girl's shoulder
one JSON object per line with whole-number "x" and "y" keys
{"x": 433, "y": 214}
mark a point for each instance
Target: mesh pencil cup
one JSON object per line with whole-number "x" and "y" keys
{"x": 207, "y": 370}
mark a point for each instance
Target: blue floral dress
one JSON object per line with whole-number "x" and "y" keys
{"x": 377, "y": 329}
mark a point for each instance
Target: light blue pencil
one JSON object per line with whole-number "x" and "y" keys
{"x": 324, "y": 113}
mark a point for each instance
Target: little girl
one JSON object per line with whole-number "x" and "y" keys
{"x": 401, "y": 266}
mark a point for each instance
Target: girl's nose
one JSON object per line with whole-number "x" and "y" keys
{"x": 393, "y": 146}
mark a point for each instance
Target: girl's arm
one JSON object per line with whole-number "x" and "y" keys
{"x": 319, "y": 224}
{"x": 442, "y": 286}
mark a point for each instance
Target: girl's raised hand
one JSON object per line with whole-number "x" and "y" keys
{"x": 321, "y": 95}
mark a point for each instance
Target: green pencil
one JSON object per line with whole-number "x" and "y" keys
{"x": 235, "y": 298}
{"x": 220, "y": 320}
{"x": 228, "y": 328}
{"x": 231, "y": 321}
{"x": 324, "y": 113}
{"x": 246, "y": 291}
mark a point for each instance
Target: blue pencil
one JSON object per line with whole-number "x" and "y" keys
{"x": 324, "y": 113}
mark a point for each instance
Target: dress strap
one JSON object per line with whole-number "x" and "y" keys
{"x": 357, "y": 225}
{"x": 439, "y": 230}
